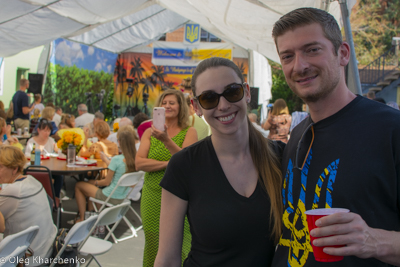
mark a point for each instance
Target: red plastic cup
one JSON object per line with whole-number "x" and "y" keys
{"x": 312, "y": 217}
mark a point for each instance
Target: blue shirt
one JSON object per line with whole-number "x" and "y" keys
{"x": 20, "y": 100}
{"x": 118, "y": 166}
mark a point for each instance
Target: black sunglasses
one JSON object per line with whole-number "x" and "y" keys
{"x": 233, "y": 93}
{"x": 296, "y": 160}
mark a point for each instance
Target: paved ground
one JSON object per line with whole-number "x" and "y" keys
{"x": 125, "y": 253}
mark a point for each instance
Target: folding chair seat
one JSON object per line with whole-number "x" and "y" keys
{"x": 127, "y": 180}
{"x": 80, "y": 231}
{"x": 43, "y": 175}
{"x": 93, "y": 246}
{"x": 11, "y": 242}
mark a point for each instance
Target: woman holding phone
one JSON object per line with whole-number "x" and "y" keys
{"x": 156, "y": 148}
{"x": 228, "y": 184}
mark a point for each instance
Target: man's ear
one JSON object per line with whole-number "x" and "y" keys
{"x": 196, "y": 107}
{"x": 344, "y": 54}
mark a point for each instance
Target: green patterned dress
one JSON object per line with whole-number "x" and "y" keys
{"x": 151, "y": 202}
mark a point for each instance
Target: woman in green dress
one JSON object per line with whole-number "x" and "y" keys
{"x": 156, "y": 148}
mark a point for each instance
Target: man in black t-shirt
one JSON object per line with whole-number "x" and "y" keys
{"x": 21, "y": 105}
{"x": 346, "y": 154}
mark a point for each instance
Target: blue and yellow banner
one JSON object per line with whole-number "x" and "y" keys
{"x": 179, "y": 54}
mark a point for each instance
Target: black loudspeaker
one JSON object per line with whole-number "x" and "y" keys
{"x": 35, "y": 83}
{"x": 254, "y": 97}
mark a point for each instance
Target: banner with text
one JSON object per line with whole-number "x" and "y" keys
{"x": 178, "y": 54}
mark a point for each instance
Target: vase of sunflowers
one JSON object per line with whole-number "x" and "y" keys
{"x": 67, "y": 138}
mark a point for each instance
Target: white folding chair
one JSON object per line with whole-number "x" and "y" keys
{"x": 14, "y": 258}
{"x": 95, "y": 246}
{"x": 11, "y": 242}
{"x": 127, "y": 180}
{"x": 76, "y": 234}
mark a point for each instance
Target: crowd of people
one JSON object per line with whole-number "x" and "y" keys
{"x": 222, "y": 189}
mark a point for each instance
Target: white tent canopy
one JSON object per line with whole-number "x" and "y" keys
{"x": 118, "y": 26}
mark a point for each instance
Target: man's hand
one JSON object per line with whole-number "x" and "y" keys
{"x": 347, "y": 229}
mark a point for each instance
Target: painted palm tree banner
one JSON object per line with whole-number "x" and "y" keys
{"x": 136, "y": 72}
{"x": 179, "y": 54}
{"x": 76, "y": 74}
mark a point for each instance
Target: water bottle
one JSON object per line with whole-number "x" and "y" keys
{"x": 71, "y": 154}
{"x": 37, "y": 157}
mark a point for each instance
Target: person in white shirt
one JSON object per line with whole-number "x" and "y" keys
{"x": 253, "y": 119}
{"x": 57, "y": 116}
{"x": 124, "y": 121}
{"x": 24, "y": 203}
{"x": 84, "y": 117}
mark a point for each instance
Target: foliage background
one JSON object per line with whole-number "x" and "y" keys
{"x": 66, "y": 88}
{"x": 280, "y": 89}
{"x": 374, "y": 23}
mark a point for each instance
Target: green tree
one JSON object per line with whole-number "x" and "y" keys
{"x": 66, "y": 87}
{"x": 280, "y": 89}
{"x": 374, "y": 23}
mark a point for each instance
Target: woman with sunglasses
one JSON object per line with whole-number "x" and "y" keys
{"x": 155, "y": 150}
{"x": 227, "y": 184}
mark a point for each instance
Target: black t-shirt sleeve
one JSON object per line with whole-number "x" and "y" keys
{"x": 175, "y": 180}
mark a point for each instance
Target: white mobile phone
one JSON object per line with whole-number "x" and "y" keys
{"x": 159, "y": 118}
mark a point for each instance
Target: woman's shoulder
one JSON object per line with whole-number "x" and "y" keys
{"x": 118, "y": 158}
{"x": 194, "y": 150}
{"x": 21, "y": 188}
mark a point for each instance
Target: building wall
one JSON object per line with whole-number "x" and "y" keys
{"x": 175, "y": 36}
{"x": 27, "y": 59}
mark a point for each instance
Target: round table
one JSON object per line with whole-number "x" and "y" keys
{"x": 58, "y": 166}
{"x": 20, "y": 137}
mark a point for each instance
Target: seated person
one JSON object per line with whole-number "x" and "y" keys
{"x": 119, "y": 165}
{"x": 67, "y": 121}
{"x": 122, "y": 122}
{"x": 48, "y": 114}
{"x": 135, "y": 193}
{"x": 98, "y": 116}
{"x": 10, "y": 113}
{"x": 5, "y": 135}
{"x": 102, "y": 131}
{"x": 47, "y": 145}
{"x": 24, "y": 203}
{"x": 42, "y": 141}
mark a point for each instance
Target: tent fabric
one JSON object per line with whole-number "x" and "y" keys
{"x": 119, "y": 26}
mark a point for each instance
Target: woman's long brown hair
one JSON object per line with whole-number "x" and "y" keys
{"x": 126, "y": 140}
{"x": 264, "y": 158}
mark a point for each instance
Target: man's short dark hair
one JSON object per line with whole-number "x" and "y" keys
{"x": 306, "y": 16}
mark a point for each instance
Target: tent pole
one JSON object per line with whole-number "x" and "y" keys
{"x": 354, "y": 77}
